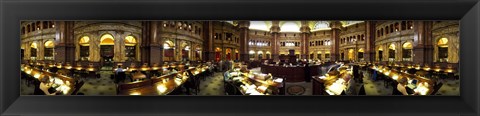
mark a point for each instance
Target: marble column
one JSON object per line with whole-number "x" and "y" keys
{"x": 244, "y": 38}
{"x": 40, "y": 50}
{"x": 208, "y": 51}
{"x": 304, "y": 40}
{"x": 369, "y": 53}
{"x": 422, "y": 45}
{"x": 64, "y": 42}
{"x": 334, "y": 54}
{"x": 275, "y": 29}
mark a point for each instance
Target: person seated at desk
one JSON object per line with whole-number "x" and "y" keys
{"x": 350, "y": 87}
{"x": 170, "y": 70}
{"x": 226, "y": 76}
{"x": 402, "y": 87}
{"x": 44, "y": 86}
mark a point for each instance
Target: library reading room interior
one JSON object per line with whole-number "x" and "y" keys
{"x": 150, "y": 58}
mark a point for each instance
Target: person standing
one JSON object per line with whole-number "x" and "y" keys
{"x": 307, "y": 73}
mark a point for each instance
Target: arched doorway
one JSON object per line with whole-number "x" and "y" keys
{"x": 260, "y": 55}
{"x": 107, "y": 43}
{"x": 360, "y": 54}
{"x": 218, "y": 54}
{"x": 391, "y": 52}
{"x": 407, "y": 51}
{"x": 442, "y": 45}
{"x": 319, "y": 55}
{"x": 84, "y": 43}
{"x": 48, "y": 50}
{"x": 380, "y": 53}
{"x": 198, "y": 52}
{"x": 168, "y": 50}
{"x": 228, "y": 53}
{"x": 351, "y": 54}
{"x": 267, "y": 55}
{"x": 33, "y": 51}
{"x": 130, "y": 48}
{"x": 185, "y": 51}
{"x": 252, "y": 54}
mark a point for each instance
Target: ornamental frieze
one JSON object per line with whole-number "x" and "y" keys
{"x": 113, "y": 27}
{"x": 352, "y": 34}
{"x": 446, "y": 30}
{"x": 404, "y": 38}
{"x": 443, "y": 24}
{"x": 79, "y": 24}
{"x": 39, "y": 32}
{"x": 42, "y": 37}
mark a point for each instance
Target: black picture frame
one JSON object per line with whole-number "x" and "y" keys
{"x": 13, "y": 11}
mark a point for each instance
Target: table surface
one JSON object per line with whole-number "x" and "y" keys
{"x": 159, "y": 87}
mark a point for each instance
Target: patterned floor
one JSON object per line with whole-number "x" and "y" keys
{"x": 213, "y": 85}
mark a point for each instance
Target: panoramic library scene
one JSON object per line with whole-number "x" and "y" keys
{"x": 224, "y": 58}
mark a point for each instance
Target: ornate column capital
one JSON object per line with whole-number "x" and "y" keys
{"x": 304, "y": 28}
{"x": 244, "y": 24}
{"x": 335, "y": 24}
{"x": 275, "y": 28}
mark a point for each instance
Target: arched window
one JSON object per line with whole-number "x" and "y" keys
{"x": 363, "y": 37}
{"x": 407, "y": 51}
{"x": 397, "y": 27}
{"x": 381, "y": 31}
{"x": 130, "y": 47}
{"x": 386, "y": 28}
{"x": 391, "y": 28}
{"x": 45, "y": 24}
{"x": 51, "y": 24}
{"x": 37, "y": 27}
{"x": 378, "y": 33}
{"x": 23, "y": 30}
{"x": 442, "y": 45}
{"x": 391, "y": 52}
{"x": 33, "y": 27}
{"x": 404, "y": 25}
{"x": 48, "y": 50}
{"x": 84, "y": 44}
{"x": 410, "y": 24}
{"x": 29, "y": 29}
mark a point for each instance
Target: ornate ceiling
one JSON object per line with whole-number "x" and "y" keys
{"x": 294, "y": 26}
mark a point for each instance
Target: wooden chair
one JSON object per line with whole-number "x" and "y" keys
{"x": 436, "y": 88}
{"x": 77, "y": 87}
{"x": 362, "y": 90}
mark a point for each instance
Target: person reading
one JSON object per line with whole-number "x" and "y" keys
{"x": 45, "y": 86}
